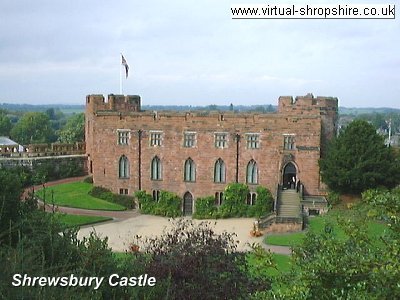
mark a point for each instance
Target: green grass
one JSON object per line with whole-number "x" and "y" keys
{"x": 75, "y": 194}
{"x": 282, "y": 262}
{"x": 80, "y": 220}
{"x": 317, "y": 224}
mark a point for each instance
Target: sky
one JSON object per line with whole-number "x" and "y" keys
{"x": 191, "y": 52}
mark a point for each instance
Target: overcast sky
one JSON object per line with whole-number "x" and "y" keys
{"x": 192, "y": 52}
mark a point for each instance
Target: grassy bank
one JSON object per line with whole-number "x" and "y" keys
{"x": 75, "y": 194}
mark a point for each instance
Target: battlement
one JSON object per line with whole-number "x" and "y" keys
{"x": 307, "y": 104}
{"x": 119, "y": 103}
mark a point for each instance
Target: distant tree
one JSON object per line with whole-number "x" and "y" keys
{"x": 212, "y": 107}
{"x": 5, "y": 124}
{"x": 358, "y": 160}
{"x": 33, "y": 127}
{"x": 74, "y": 130}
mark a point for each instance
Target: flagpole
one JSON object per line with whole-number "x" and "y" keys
{"x": 120, "y": 79}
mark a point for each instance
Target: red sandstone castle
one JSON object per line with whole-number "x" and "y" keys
{"x": 196, "y": 154}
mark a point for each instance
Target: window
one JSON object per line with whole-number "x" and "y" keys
{"x": 219, "y": 171}
{"x": 189, "y": 139}
{"x": 251, "y": 199}
{"x": 288, "y": 142}
{"x": 123, "y": 137}
{"x": 123, "y": 167}
{"x": 252, "y": 172}
{"x": 156, "y": 169}
{"x": 219, "y": 197}
{"x": 156, "y": 195}
{"x": 123, "y": 191}
{"x": 155, "y": 138}
{"x": 221, "y": 140}
{"x": 190, "y": 170}
{"x": 253, "y": 141}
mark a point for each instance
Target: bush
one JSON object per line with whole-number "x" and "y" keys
{"x": 106, "y": 194}
{"x": 194, "y": 262}
{"x": 88, "y": 179}
{"x": 169, "y": 204}
{"x": 264, "y": 203}
{"x": 333, "y": 198}
{"x": 234, "y": 204}
{"x": 146, "y": 202}
{"x": 205, "y": 208}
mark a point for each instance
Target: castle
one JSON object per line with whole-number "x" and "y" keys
{"x": 196, "y": 154}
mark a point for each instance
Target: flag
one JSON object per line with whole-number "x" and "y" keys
{"x": 125, "y": 64}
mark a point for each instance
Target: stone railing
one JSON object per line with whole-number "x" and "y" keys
{"x": 53, "y": 149}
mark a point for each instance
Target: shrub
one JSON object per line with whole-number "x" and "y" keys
{"x": 264, "y": 203}
{"x": 169, "y": 204}
{"x": 88, "y": 179}
{"x": 146, "y": 202}
{"x": 195, "y": 262}
{"x": 234, "y": 204}
{"x": 106, "y": 194}
{"x": 205, "y": 208}
{"x": 333, "y": 198}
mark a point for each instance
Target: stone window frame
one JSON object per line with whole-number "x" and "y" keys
{"x": 221, "y": 140}
{"x": 289, "y": 141}
{"x": 123, "y": 167}
{"x": 252, "y": 140}
{"x": 123, "y": 136}
{"x": 189, "y": 170}
{"x": 219, "y": 197}
{"x": 252, "y": 172}
{"x": 156, "y": 195}
{"x": 251, "y": 198}
{"x": 219, "y": 171}
{"x": 155, "y": 138}
{"x": 123, "y": 191}
{"x": 156, "y": 168}
{"x": 189, "y": 139}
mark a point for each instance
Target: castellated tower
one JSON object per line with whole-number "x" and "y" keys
{"x": 196, "y": 154}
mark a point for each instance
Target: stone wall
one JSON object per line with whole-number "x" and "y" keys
{"x": 304, "y": 122}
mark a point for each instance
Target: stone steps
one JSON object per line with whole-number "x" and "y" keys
{"x": 289, "y": 204}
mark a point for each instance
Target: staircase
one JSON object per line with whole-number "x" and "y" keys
{"x": 288, "y": 204}
{"x": 287, "y": 209}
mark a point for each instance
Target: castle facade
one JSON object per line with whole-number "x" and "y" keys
{"x": 196, "y": 154}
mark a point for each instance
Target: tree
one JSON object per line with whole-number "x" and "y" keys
{"x": 358, "y": 160}
{"x": 358, "y": 265}
{"x": 33, "y": 127}
{"x": 10, "y": 192}
{"x": 74, "y": 130}
{"x": 5, "y": 124}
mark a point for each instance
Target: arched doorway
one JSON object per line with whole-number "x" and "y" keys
{"x": 289, "y": 176}
{"x": 187, "y": 204}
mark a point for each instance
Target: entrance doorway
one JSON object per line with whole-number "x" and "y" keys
{"x": 289, "y": 176}
{"x": 187, "y": 204}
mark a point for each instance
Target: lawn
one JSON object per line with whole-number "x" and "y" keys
{"x": 317, "y": 224}
{"x": 75, "y": 194}
{"x": 80, "y": 220}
